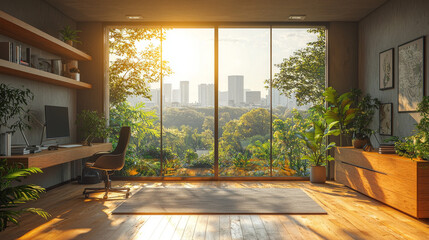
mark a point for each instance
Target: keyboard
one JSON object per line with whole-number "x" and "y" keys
{"x": 69, "y": 145}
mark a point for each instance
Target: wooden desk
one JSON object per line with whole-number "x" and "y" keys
{"x": 49, "y": 158}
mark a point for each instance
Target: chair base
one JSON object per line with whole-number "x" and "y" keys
{"x": 88, "y": 191}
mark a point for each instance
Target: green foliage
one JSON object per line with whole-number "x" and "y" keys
{"x": 365, "y": 110}
{"x": 175, "y": 117}
{"x": 131, "y": 68}
{"x": 69, "y": 34}
{"x": 417, "y": 145}
{"x": 315, "y": 140}
{"x": 303, "y": 74}
{"x": 255, "y": 122}
{"x": 13, "y": 101}
{"x": 339, "y": 110}
{"x": 12, "y": 196}
{"x": 92, "y": 125}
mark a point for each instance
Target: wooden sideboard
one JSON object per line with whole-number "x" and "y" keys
{"x": 49, "y": 158}
{"x": 396, "y": 181}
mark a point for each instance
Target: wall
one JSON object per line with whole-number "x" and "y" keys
{"x": 46, "y": 18}
{"x": 393, "y": 24}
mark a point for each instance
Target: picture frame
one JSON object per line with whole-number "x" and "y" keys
{"x": 386, "y": 119}
{"x": 411, "y": 74}
{"x": 386, "y": 69}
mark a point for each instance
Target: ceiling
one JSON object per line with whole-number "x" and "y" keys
{"x": 215, "y": 10}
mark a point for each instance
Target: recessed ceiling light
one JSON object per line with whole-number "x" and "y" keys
{"x": 134, "y": 17}
{"x": 296, "y": 17}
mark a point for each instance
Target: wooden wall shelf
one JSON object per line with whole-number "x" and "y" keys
{"x": 21, "y": 31}
{"x": 15, "y": 69}
{"x": 396, "y": 181}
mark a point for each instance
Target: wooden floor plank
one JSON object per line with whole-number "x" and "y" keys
{"x": 351, "y": 215}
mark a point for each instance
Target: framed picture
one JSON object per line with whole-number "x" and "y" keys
{"x": 386, "y": 116}
{"x": 386, "y": 69}
{"x": 411, "y": 75}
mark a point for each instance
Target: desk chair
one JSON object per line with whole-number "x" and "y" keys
{"x": 110, "y": 162}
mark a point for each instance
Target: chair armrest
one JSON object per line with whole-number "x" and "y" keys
{"x": 109, "y": 162}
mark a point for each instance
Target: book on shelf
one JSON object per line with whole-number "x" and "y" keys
{"x": 6, "y": 51}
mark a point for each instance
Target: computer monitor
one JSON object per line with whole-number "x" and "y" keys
{"x": 57, "y": 122}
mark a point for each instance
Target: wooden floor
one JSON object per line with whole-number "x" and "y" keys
{"x": 350, "y": 216}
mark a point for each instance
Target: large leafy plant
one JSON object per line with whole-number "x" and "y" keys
{"x": 12, "y": 196}
{"x": 315, "y": 139}
{"x": 91, "y": 125}
{"x": 69, "y": 34}
{"x": 339, "y": 110}
{"x": 13, "y": 114}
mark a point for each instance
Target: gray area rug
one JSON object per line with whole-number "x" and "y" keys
{"x": 170, "y": 201}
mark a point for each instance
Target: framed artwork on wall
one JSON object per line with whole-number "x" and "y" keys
{"x": 411, "y": 72}
{"x": 386, "y": 118}
{"x": 386, "y": 69}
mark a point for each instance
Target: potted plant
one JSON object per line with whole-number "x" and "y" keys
{"x": 13, "y": 114}
{"x": 91, "y": 125}
{"x": 365, "y": 110}
{"x": 315, "y": 140}
{"x": 339, "y": 110}
{"x": 69, "y": 35}
{"x": 11, "y": 196}
{"x": 75, "y": 73}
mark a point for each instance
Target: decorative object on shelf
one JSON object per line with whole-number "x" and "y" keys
{"x": 12, "y": 195}
{"x": 315, "y": 139}
{"x": 365, "y": 109}
{"x": 411, "y": 75}
{"x": 386, "y": 69}
{"x": 69, "y": 35}
{"x": 75, "y": 74}
{"x": 13, "y": 114}
{"x": 91, "y": 125}
{"x": 386, "y": 118}
{"x": 57, "y": 66}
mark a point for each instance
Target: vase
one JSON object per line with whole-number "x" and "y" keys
{"x": 75, "y": 76}
{"x": 359, "y": 143}
{"x": 318, "y": 174}
{"x": 5, "y": 144}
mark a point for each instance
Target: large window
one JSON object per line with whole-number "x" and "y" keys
{"x": 164, "y": 83}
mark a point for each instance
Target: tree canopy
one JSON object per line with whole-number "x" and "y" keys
{"x": 302, "y": 75}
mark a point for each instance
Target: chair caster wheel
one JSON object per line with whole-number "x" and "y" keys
{"x": 86, "y": 195}
{"x": 105, "y": 197}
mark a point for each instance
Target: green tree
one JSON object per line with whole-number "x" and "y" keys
{"x": 255, "y": 122}
{"x": 303, "y": 73}
{"x": 132, "y": 68}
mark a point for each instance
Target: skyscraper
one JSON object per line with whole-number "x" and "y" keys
{"x": 235, "y": 90}
{"x": 184, "y": 93}
{"x": 176, "y": 96}
{"x": 253, "y": 97}
{"x": 167, "y": 93}
{"x": 206, "y": 95}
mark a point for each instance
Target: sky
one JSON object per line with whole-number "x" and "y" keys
{"x": 242, "y": 51}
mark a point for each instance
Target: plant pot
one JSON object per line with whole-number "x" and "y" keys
{"x": 75, "y": 76}
{"x": 318, "y": 174}
{"x": 69, "y": 42}
{"x": 359, "y": 143}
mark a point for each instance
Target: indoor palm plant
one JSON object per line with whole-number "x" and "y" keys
{"x": 91, "y": 125}
{"x": 12, "y": 196}
{"x": 315, "y": 139}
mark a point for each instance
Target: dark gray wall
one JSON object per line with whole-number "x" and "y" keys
{"x": 46, "y": 18}
{"x": 393, "y": 24}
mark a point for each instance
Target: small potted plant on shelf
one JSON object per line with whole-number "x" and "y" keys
{"x": 69, "y": 35}
{"x": 315, "y": 139}
{"x": 12, "y": 195}
{"x": 365, "y": 109}
{"x": 13, "y": 114}
{"x": 91, "y": 125}
{"x": 75, "y": 73}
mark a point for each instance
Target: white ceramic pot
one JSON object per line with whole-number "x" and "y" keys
{"x": 318, "y": 174}
{"x": 75, "y": 76}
